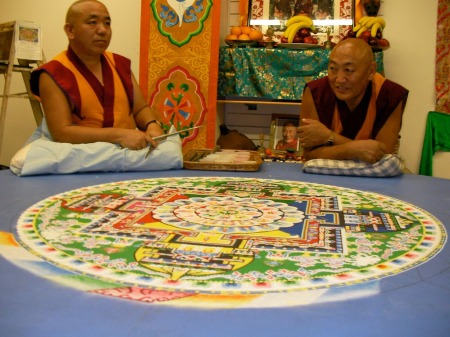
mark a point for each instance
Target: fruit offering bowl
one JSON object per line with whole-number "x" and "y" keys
{"x": 298, "y": 45}
{"x": 299, "y": 29}
{"x": 243, "y": 36}
{"x": 241, "y": 43}
{"x": 370, "y": 29}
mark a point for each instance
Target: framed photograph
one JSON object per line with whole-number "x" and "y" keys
{"x": 282, "y": 10}
{"x": 283, "y": 132}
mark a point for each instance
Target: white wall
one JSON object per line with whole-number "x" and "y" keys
{"x": 410, "y": 61}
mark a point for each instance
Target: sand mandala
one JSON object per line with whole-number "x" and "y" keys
{"x": 159, "y": 240}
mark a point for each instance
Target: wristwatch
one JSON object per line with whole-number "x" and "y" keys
{"x": 330, "y": 140}
{"x": 151, "y": 122}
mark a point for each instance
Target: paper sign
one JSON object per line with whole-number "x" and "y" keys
{"x": 28, "y": 41}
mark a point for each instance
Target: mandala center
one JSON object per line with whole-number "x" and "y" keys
{"x": 228, "y": 213}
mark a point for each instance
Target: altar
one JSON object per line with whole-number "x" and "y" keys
{"x": 272, "y": 74}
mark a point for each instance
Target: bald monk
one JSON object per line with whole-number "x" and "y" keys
{"x": 354, "y": 112}
{"x": 89, "y": 94}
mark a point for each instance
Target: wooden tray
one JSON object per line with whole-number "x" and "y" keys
{"x": 192, "y": 157}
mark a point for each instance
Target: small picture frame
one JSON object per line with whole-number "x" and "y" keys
{"x": 283, "y": 132}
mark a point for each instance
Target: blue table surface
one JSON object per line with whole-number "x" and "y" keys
{"x": 412, "y": 303}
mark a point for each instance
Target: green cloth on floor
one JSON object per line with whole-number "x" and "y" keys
{"x": 437, "y": 138}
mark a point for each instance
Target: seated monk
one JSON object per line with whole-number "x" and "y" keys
{"x": 96, "y": 117}
{"x": 354, "y": 112}
{"x": 89, "y": 94}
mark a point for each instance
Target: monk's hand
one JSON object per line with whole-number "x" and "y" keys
{"x": 153, "y": 130}
{"x": 135, "y": 139}
{"x": 312, "y": 133}
{"x": 369, "y": 150}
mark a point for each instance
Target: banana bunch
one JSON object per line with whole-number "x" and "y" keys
{"x": 295, "y": 23}
{"x": 369, "y": 23}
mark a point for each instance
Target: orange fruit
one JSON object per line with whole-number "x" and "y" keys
{"x": 255, "y": 35}
{"x": 246, "y": 30}
{"x": 243, "y": 37}
{"x": 231, "y": 37}
{"x": 235, "y": 31}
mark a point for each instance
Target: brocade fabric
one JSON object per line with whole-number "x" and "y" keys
{"x": 276, "y": 74}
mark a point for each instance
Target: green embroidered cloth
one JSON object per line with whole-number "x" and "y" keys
{"x": 437, "y": 138}
{"x": 277, "y": 73}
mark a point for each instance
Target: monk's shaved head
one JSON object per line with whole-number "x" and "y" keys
{"x": 76, "y": 9}
{"x": 88, "y": 27}
{"x": 351, "y": 67}
{"x": 358, "y": 48}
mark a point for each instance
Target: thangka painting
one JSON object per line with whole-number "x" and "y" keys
{"x": 179, "y": 65}
{"x": 222, "y": 242}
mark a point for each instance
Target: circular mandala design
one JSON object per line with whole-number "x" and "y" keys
{"x": 229, "y": 235}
